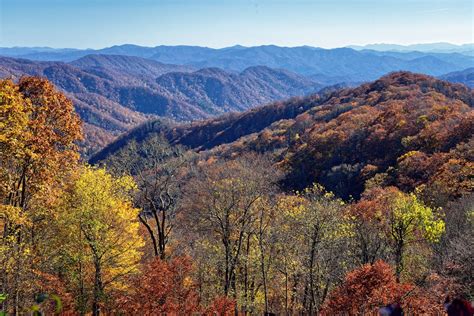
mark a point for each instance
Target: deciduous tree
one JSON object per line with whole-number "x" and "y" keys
{"x": 38, "y": 134}
{"x": 163, "y": 287}
{"x": 99, "y": 230}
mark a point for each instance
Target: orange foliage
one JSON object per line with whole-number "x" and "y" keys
{"x": 221, "y": 306}
{"x": 370, "y": 287}
{"x": 163, "y": 287}
{"x": 52, "y": 285}
{"x": 378, "y": 125}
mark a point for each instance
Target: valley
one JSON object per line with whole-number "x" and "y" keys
{"x": 118, "y": 88}
{"x": 187, "y": 180}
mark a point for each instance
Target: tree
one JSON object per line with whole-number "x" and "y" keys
{"x": 405, "y": 220}
{"x": 314, "y": 235}
{"x": 38, "y": 134}
{"x": 372, "y": 286}
{"x": 160, "y": 186}
{"x": 221, "y": 305}
{"x": 99, "y": 229}
{"x": 455, "y": 250}
{"x": 369, "y": 239}
{"x": 265, "y": 216}
{"x": 157, "y": 168}
{"x": 222, "y": 207}
{"x": 163, "y": 287}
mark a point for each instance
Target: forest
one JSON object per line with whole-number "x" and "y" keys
{"x": 339, "y": 203}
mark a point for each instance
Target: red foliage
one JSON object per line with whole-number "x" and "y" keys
{"x": 370, "y": 287}
{"x": 163, "y": 287}
{"x": 366, "y": 289}
{"x": 51, "y": 285}
{"x": 221, "y": 306}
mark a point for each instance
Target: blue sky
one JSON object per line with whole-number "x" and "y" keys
{"x": 221, "y": 23}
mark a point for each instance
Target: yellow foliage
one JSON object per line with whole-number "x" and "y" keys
{"x": 409, "y": 213}
{"x": 100, "y": 224}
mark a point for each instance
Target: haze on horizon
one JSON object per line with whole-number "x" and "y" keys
{"x": 223, "y": 23}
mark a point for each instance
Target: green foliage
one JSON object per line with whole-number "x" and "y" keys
{"x": 315, "y": 221}
{"x": 3, "y": 297}
{"x": 406, "y": 221}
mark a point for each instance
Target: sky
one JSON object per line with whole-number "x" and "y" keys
{"x": 222, "y": 23}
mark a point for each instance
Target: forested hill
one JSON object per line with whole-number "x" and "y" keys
{"x": 207, "y": 134}
{"x": 114, "y": 93}
{"x": 334, "y": 197}
{"x": 404, "y": 129}
{"x": 129, "y": 67}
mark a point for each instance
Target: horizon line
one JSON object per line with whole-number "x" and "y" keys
{"x": 407, "y": 45}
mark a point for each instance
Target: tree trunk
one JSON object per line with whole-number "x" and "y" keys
{"x": 98, "y": 288}
{"x": 234, "y": 290}
{"x": 399, "y": 259}
{"x": 227, "y": 272}
{"x": 262, "y": 262}
{"x": 150, "y": 232}
{"x": 162, "y": 238}
{"x": 294, "y": 292}
{"x": 309, "y": 288}
{"x": 286, "y": 291}
{"x": 246, "y": 278}
{"x": 82, "y": 294}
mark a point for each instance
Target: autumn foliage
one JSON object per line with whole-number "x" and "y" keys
{"x": 163, "y": 287}
{"x": 372, "y": 286}
{"x": 221, "y": 305}
{"x": 410, "y": 130}
{"x": 38, "y": 134}
{"x": 339, "y": 203}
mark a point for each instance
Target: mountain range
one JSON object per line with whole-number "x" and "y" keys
{"x": 465, "y": 76}
{"x": 117, "y": 88}
{"x": 428, "y": 48}
{"x": 353, "y": 65}
{"x": 113, "y": 93}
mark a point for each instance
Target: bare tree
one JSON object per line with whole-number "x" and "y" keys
{"x": 158, "y": 169}
{"x": 455, "y": 250}
{"x": 223, "y": 202}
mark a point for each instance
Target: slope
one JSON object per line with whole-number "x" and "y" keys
{"x": 115, "y": 93}
{"x": 404, "y": 129}
{"x": 465, "y": 76}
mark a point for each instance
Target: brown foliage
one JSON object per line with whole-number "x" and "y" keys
{"x": 52, "y": 285}
{"x": 402, "y": 118}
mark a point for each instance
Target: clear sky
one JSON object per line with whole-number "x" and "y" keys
{"x": 220, "y": 23}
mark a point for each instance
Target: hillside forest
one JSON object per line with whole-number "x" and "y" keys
{"x": 338, "y": 203}
{"x": 119, "y": 88}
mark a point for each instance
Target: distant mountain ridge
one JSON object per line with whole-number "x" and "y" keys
{"x": 224, "y": 130}
{"x": 429, "y": 47}
{"x": 138, "y": 67}
{"x": 354, "y": 65}
{"x": 119, "y": 87}
{"x": 465, "y": 76}
{"x": 113, "y": 93}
